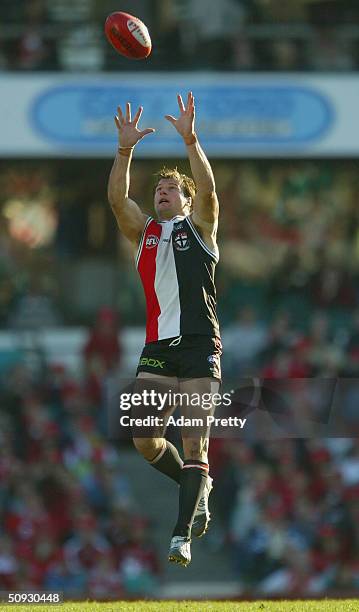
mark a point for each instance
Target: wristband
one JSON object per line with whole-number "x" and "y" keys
{"x": 191, "y": 139}
{"x": 126, "y": 151}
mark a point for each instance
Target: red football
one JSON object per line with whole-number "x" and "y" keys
{"x": 128, "y": 35}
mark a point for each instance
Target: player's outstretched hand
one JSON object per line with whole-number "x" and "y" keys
{"x": 185, "y": 122}
{"x": 128, "y": 132}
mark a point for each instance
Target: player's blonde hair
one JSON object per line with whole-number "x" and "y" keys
{"x": 185, "y": 182}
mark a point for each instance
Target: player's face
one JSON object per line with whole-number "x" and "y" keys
{"x": 169, "y": 199}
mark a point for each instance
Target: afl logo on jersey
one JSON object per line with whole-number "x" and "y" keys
{"x": 151, "y": 241}
{"x": 181, "y": 241}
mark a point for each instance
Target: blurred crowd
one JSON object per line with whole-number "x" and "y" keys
{"x": 287, "y": 511}
{"x": 288, "y": 234}
{"x": 244, "y": 35}
{"x": 281, "y": 348}
{"x": 290, "y": 515}
{"x": 69, "y": 521}
{"x": 292, "y": 229}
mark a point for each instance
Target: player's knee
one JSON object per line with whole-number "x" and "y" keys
{"x": 195, "y": 449}
{"x": 148, "y": 447}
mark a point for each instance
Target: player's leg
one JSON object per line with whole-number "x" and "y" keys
{"x": 195, "y": 484}
{"x": 202, "y": 515}
{"x": 150, "y": 442}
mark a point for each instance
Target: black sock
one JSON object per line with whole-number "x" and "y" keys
{"x": 193, "y": 479}
{"x": 169, "y": 462}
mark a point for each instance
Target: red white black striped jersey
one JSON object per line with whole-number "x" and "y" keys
{"x": 177, "y": 272}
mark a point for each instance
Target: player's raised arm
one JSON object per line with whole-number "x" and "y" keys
{"x": 129, "y": 216}
{"x": 205, "y": 204}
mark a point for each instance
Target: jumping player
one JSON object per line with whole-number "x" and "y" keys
{"x": 176, "y": 257}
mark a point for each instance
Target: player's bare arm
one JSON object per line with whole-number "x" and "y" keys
{"x": 129, "y": 216}
{"x": 205, "y": 204}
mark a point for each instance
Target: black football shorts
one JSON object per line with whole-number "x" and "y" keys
{"x": 192, "y": 356}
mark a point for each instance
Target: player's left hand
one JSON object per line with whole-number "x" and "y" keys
{"x": 185, "y": 122}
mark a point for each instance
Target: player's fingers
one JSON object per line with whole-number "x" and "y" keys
{"x": 117, "y": 121}
{"x": 147, "y": 131}
{"x": 120, "y": 114}
{"x": 138, "y": 115}
{"x": 190, "y": 101}
{"x": 128, "y": 111}
{"x": 171, "y": 119}
{"x": 180, "y": 103}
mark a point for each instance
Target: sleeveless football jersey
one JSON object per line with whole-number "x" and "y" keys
{"x": 177, "y": 273}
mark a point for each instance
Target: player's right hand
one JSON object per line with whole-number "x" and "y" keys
{"x": 128, "y": 132}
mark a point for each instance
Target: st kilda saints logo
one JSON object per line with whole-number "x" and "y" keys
{"x": 181, "y": 241}
{"x": 151, "y": 241}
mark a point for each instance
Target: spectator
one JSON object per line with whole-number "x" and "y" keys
{"x": 104, "y": 580}
{"x": 217, "y": 26}
{"x": 333, "y": 285}
{"x": 138, "y": 563}
{"x": 60, "y": 577}
{"x": 328, "y": 51}
{"x": 8, "y": 563}
{"x": 244, "y": 340}
{"x": 34, "y": 310}
{"x": 82, "y": 49}
{"x": 103, "y": 343}
{"x": 34, "y": 51}
{"x": 102, "y": 353}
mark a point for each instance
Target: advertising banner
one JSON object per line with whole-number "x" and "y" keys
{"x": 262, "y": 115}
